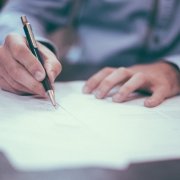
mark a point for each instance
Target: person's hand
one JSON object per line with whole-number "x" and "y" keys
{"x": 161, "y": 79}
{"x": 20, "y": 71}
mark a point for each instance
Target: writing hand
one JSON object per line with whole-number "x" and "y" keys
{"x": 20, "y": 71}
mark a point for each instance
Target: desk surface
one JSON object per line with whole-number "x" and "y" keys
{"x": 162, "y": 170}
{"x": 87, "y": 133}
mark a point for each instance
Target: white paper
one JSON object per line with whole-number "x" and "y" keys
{"x": 89, "y": 132}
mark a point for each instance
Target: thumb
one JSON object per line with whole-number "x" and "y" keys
{"x": 51, "y": 63}
{"x": 156, "y": 99}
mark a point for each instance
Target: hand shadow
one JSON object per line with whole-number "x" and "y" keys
{"x": 133, "y": 96}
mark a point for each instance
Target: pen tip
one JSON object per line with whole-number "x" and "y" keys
{"x": 52, "y": 98}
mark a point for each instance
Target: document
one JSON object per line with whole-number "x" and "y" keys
{"x": 85, "y": 131}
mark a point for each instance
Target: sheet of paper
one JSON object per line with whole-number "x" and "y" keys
{"x": 87, "y": 131}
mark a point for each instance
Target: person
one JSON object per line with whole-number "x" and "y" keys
{"x": 135, "y": 43}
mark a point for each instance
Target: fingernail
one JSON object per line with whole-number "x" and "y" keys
{"x": 98, "y": 94}
{"x": 117, "y": 98}
{"x": 86, "y": 89}
{"x": 39, "y": 76}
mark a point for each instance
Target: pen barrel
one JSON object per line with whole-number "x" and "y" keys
{"x": 34, "y": 49}
{"x": 46, "y": 83}
{"x": 30, "y": 36}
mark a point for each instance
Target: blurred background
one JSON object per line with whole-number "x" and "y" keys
{"x": 62, "y": 38}
{"x": 2, "y": 2}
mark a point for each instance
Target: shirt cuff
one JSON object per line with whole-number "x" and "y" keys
{"x": 174, "y": 59}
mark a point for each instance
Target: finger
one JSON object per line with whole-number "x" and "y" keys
{"x": 95, "y": 80}
{"x": 118, "y": 76}
{"x": 51, "y": 63}
{"x": 21, "y": 53}
{"x": 136, "y": 82}
{"x": 156, "y": 99}
{"x": 6, "y": 87}
{"x": 19, "y": 74}
{"x": 13, "y": 84}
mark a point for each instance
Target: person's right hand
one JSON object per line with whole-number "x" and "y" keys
{"x": 20, "y": 71}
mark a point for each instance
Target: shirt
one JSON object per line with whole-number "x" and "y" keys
{"x": 111, "y": 32}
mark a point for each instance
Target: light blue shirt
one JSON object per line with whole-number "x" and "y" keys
{"x": 111, "y": 32}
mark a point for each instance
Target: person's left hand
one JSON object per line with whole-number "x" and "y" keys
{"x": 160, "y": 79}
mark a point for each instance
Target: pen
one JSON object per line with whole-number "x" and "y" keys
{"x": 34, "y": 49}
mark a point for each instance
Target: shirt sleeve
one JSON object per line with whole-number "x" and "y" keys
{"x": 44, "y": 16}
{"x": 174, "y": 59}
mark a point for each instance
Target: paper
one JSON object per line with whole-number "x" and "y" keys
{"x": 89, "y": 132}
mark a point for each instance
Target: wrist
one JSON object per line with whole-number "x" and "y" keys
{"x": 172, "y": 65}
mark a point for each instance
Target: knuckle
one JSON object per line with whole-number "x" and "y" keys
{"x": 32, "y": 66}
{"x": 92, "y": 81}
{"x": 9, "y": 38}
{"x": 57, "y": 68}
{"x": 18, "y": 50}
{"x": 107, "y": 70}
{"x": 122, "y": 68}
{"x": 141, "y": 76}
{"x": 124, "y": 71}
